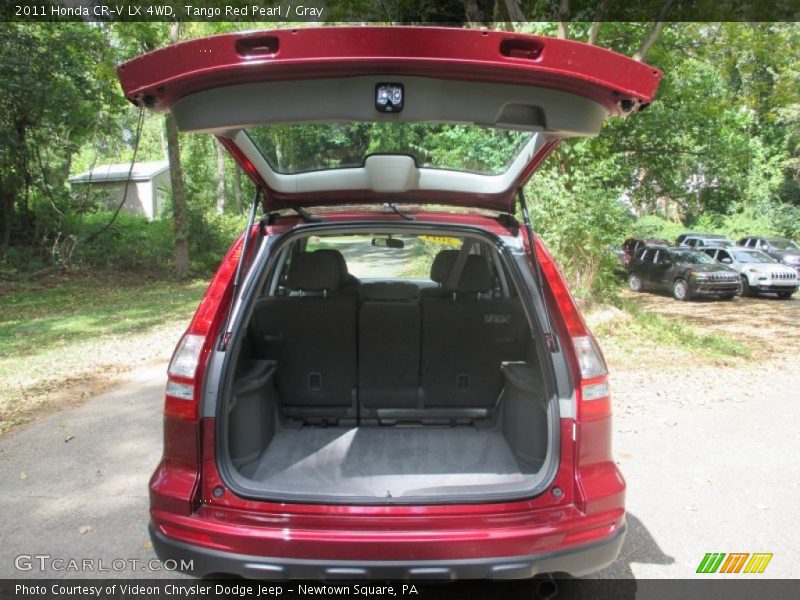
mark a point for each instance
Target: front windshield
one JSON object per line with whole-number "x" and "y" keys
{"x": 752, "y": 257}
{"x": 784, "y": 245}
{"x": 692, "y": 258}
{"x": 303, "y": 147}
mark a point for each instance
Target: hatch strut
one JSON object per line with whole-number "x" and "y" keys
{"x": 549, "y": 338}
{"x": 237, "y": 278}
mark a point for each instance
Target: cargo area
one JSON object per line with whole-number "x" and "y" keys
{"x": 372, "y": 390}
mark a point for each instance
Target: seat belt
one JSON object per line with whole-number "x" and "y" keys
{"x": 458, "y": 266}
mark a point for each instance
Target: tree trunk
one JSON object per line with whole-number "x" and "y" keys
{"x": 220, "y": 177}
{"x": 237, "y": 188}
{"x": 510, "y": 12}
{"x": 655, "y": 32}
{"x": 176, "y": 178}
{"x": 600, "y": 16}
{"x": 8, "y": 217}
{"x": 563, "y": 19}
{"x": 178, "y": 198}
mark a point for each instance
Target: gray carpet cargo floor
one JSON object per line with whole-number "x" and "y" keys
{"x": 385, "y": 462}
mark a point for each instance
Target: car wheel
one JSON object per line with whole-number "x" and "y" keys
{"x": 680, "y": 290}
{"x": 745, "y": 290}
{"x": 785, "y": 295}
{"x": 635, "y": 282}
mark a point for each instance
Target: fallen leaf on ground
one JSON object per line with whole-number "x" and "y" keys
{"x": 85, "y": 529}
{"x": 23, "y": 475}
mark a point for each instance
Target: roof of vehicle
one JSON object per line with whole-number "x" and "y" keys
{"x": 712, "y": 236}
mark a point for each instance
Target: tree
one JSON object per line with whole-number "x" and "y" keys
{"x": 176, "y": 176}
{"x": 56, "y": 78}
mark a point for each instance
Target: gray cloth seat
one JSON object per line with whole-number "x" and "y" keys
{"x": 389, "y": 343}
{"x": 311, "y": 334}
{"x": 465, "y": 338}
{"x": 348, "y": 281}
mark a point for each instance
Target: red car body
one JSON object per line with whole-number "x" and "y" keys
{"x": 577, "y": 526}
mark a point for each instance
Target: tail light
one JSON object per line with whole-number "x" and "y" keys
{"x": 594, "y": 400}
{"x": 181, "y": 378}
{"x": 586, "y": 360}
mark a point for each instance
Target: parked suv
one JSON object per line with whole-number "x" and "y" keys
{"x": 340, "y": 408}
{"x": 781, "y": 249}
{"x": 631, "y": 247}
{"x": 686, "y": 273}
{"x": 701, "y": 240}
{"x": 759, "y": 272}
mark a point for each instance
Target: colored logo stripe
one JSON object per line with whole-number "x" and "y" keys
{"x": 734, "y": 562}
{"x": 758, "y": 562}
{"x": 713, "y": 562}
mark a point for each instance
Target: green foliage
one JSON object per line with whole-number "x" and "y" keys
{"x": 656, "y": 226}
{"x": 131, "y": 243}
{"x": 718, "y": 150}
{"x": 644, "y": 327}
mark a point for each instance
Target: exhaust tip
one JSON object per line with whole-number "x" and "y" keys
{"x": 547, "y": 588}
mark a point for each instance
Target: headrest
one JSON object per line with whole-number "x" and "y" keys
{"x": 390, "y": 291}
{"x": 476, "y": 276}
{"x": 343, "y": 273}
{"x": 313, "y": 272}
{"x": 442, "y": 265}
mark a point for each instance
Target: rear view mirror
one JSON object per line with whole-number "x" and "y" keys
{"x": 388, "y": 242}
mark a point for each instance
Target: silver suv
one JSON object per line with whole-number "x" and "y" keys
{"x": 758, "y": 271}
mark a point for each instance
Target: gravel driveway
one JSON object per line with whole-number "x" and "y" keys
{"x": 709, "y": 447}
{"x": 709, "y": 450}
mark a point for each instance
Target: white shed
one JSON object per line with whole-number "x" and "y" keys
{"x": 147, "y": 191}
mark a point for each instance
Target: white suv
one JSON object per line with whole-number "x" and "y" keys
{"x": 759, "y": 272}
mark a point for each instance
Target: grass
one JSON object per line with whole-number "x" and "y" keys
{"x": 642, "y": 327}
{"x": 59, "y": 334}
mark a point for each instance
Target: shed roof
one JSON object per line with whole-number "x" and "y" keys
{"x": 142, "y": 171}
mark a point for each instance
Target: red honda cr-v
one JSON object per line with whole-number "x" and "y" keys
{"x": 388, "y": 376}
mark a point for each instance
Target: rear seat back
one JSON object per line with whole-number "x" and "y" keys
{"x": 466, "y": 337}
{"x": 311, "y": 333}
{"x": 389, "y": 343}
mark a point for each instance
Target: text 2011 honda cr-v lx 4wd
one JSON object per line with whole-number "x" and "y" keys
{"x": 388, "y": 376}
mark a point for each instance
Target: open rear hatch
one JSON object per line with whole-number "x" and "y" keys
{"x": 348, "y": 115}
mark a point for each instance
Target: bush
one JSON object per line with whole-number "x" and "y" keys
{"x": 134, "y": 244}
{"x": 210, "y": 236}
{"x": 131, "y": 243}
{"x": 655, "y": 226}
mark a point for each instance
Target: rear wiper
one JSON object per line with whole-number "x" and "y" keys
{"x": 550, "y": 339}
{"x": 393, "y": 208}
{"x": 237, "y": 278}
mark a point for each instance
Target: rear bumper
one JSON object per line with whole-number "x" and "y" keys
{"x": 578, "y": 560}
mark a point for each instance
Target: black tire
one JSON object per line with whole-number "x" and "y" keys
{"x": 681, "y": 291}
{"x": 746, "y": 290}
{"x": 785, "y": 295}
{"x": 635, "y": 283}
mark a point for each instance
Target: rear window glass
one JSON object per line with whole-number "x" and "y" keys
{"x": 303, "y": 147}
{"x": 371, "y": 257}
